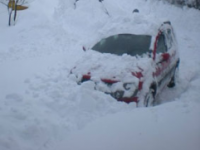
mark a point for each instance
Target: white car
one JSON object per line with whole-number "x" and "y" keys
{"x": 134, "y": 66}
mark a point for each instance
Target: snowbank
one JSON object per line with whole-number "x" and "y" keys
{"x": 164, "y": 127}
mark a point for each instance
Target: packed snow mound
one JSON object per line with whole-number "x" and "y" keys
{"x": 90, "y": 19}
{"x": 129, "y": 131}
{"x": 130, "y": 23}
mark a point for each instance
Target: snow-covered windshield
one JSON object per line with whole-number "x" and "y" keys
{"x": 124, "y": 44}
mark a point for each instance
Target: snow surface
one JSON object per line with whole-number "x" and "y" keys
{"x": 42, "y": 108}
{"x": 106, "y": 69}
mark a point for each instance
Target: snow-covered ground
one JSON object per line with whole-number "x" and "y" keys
{"x": 42, "y": 108}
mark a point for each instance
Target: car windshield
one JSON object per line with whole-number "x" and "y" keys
{"x": 124, "y": 44}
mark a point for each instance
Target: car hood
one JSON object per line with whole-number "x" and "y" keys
{"x": 108, "y": 66}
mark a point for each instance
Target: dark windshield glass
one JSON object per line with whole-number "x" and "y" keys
{"x": 124, "y": 44}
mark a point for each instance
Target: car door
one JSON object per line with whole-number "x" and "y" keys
{"x": 162, "y": 59}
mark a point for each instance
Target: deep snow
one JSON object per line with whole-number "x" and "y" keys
{"x": 41, "y": 107}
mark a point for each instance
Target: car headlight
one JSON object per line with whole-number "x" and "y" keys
{"x": 131, "y": 89}
{"x": 118, "y": 94}
{"x": 128, "y": 86}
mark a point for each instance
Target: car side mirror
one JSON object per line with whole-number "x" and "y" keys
{"x": 165, "y": 56}
{"x": 150, "y": 53}
{"x": 84, "y": 48}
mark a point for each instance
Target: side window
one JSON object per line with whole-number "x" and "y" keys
{"x": 161, "y": 45}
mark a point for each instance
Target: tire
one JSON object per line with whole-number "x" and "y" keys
{"x": 172, "y": 82}
{"x": 150, "y": 98}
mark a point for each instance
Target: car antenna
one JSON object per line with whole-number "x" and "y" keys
{"x": 84, "y": 49}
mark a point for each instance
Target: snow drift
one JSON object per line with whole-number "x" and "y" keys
{"x": 42, "y": 108}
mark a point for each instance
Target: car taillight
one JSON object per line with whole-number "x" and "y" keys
{"x": 109, "y": 81}
{"x": 85, "y": 78}
{"x": 129, "y": 99}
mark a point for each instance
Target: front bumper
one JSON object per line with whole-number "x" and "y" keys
{"x": 126, "y": 92}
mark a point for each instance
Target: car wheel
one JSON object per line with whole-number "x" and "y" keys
{"x": 150, "y": 98}
{"x": 172, "y": 82}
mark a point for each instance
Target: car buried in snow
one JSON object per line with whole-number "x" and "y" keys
{"x": 132, "y": 67}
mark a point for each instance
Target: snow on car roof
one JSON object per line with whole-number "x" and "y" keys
{"x": 135, "y": 23}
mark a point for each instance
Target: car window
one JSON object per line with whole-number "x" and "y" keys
{"x": 161, "y": 45}
{"x": 124, "y": 44}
